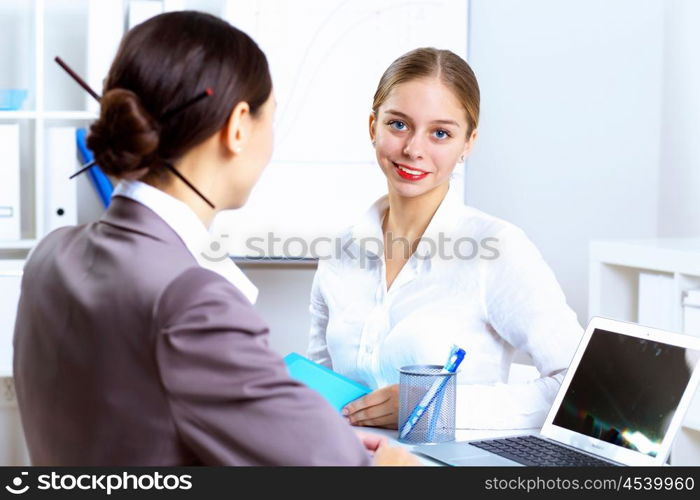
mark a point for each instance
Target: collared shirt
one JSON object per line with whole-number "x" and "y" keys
{"x": 475, "y": 281}
{"x": 190, "y": 230}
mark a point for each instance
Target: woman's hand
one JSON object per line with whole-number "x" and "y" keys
{"x": 379, "y": 408}
{"x": 384, "y": 454}
{"x": 372, "y": 442}
{"x": 394, "y": 456}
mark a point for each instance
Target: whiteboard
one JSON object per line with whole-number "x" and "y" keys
{"x": 326, "y": 58}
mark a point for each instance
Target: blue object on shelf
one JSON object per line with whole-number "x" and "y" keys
{"x": 12, "y": 99}
{"x": 100, "y": 181}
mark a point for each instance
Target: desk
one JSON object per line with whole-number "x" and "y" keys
{"x": 461, "y": 435}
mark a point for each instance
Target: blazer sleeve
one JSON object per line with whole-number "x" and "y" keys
{"x": 231, "y": 398}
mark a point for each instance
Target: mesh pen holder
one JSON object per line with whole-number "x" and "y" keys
{"x": 437, "y": 424}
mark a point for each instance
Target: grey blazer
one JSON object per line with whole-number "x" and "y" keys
{"x": 126, "y": 352}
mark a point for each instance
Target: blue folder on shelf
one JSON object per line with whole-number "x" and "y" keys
{"x": 98, "y": 178}
{"x": 337, "y": 389}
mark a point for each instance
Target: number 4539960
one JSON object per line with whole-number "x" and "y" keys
{"x": 658, "y": 483}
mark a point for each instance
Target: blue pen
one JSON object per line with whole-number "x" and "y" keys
{"x": 453, "y": 361}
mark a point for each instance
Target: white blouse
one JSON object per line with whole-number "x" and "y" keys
{"x": 486, "y": 288}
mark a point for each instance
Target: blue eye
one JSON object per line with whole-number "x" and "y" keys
{"x": 397, "y": 125}
{"x": 442, "y": 134}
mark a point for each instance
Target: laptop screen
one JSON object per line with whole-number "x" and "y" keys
{"x": 625, "y": 391}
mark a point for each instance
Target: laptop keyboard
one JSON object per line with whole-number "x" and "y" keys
{"x": 532, "y": 450}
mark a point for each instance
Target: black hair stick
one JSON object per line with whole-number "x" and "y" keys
{"x": 75, "y": 77}
{"x": 166, "y": 115}
{"x": 172, "y": 112}
{"x": 182, "y": 178}
{"x": 83, "y": 169}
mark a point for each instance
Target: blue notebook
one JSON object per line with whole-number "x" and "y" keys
{"x": 336, "y": 388}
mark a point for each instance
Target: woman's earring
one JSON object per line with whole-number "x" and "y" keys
{"x": 461, "y": 159}
{"x": 374, "y": 144}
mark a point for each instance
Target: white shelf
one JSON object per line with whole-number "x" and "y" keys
{"x": 614, "y": 276}
{"x": 71, "y": 29}
{"x": 671, "y": 255}
{"x": 17, "y": 245}
{"x": 69, "y": 115}
{"x": 18, "y": 115}
{"x": 48, "y": 115}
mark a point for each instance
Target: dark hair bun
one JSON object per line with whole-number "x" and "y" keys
{"x": 125, "y": 138}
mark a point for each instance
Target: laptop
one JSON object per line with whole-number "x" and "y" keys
{"x": 621, "y": 403}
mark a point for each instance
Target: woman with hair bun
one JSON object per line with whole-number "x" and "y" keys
{"x": 131, "y": 348}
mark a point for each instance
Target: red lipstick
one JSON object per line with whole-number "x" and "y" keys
{"x": 409, "y": 176}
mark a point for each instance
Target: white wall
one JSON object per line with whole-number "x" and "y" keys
{"x": 569, "y": 135}
{"x": 679, "y": 183}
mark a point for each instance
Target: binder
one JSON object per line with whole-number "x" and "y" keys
{"x": 9, "y": 186}
{"x": 99, "y": 180}
{"x": 691, "y": 312}
{"x": 337, "y": 389}
{"x": 657, "y": 300}
{"x": 10, "y": 281}
{"x": 61, "y": 195}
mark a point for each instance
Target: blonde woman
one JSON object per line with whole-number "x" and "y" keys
{"x": 444, "y": 274}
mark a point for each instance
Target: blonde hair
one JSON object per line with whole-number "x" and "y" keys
{"x": 448, "y": 67}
